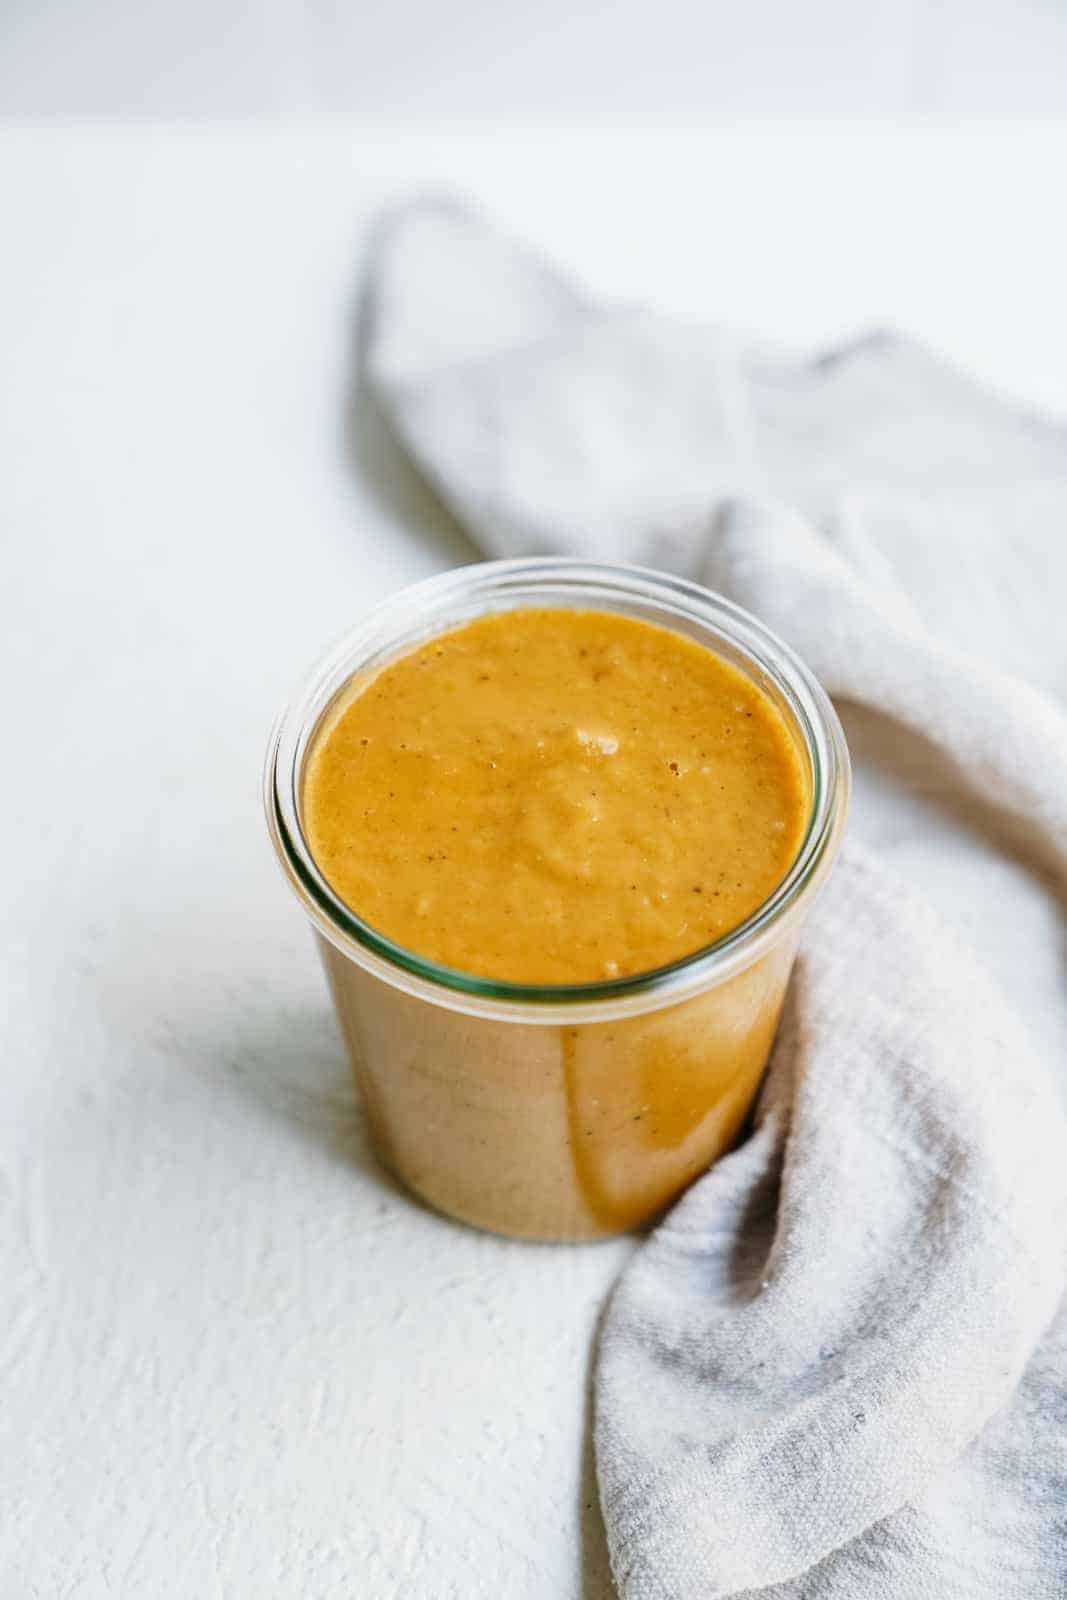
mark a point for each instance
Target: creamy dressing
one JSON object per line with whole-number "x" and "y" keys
{"x": 555, "y": 796}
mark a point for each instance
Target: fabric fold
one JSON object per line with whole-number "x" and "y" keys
{"x": 837, "y": 1369}
{"x": 760, "y": 1409}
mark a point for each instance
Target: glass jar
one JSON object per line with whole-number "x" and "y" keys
{"x": 560, "y": 1111}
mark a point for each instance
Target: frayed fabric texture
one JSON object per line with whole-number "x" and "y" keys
{"x": 837, "y": 1368}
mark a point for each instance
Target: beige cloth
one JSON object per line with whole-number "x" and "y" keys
{"x": 834, "y": 1370}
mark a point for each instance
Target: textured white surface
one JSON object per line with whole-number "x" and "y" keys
{"x": 235, "y": 1361}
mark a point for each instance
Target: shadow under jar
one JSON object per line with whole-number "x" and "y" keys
{"x": 573, "y": 1111}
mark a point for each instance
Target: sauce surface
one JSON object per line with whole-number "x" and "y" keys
{"x": 555, "y": 796}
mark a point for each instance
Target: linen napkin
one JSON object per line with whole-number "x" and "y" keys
{"x": 837, "y": 1367}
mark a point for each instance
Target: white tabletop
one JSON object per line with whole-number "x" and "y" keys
{"x": 237, "y": 1360}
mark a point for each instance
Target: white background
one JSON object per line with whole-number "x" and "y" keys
{"x": 536, "y": 58}
{"x": 236, "y": 1361}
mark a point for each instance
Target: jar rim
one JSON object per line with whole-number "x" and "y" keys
{"x": 448, "y": 599}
